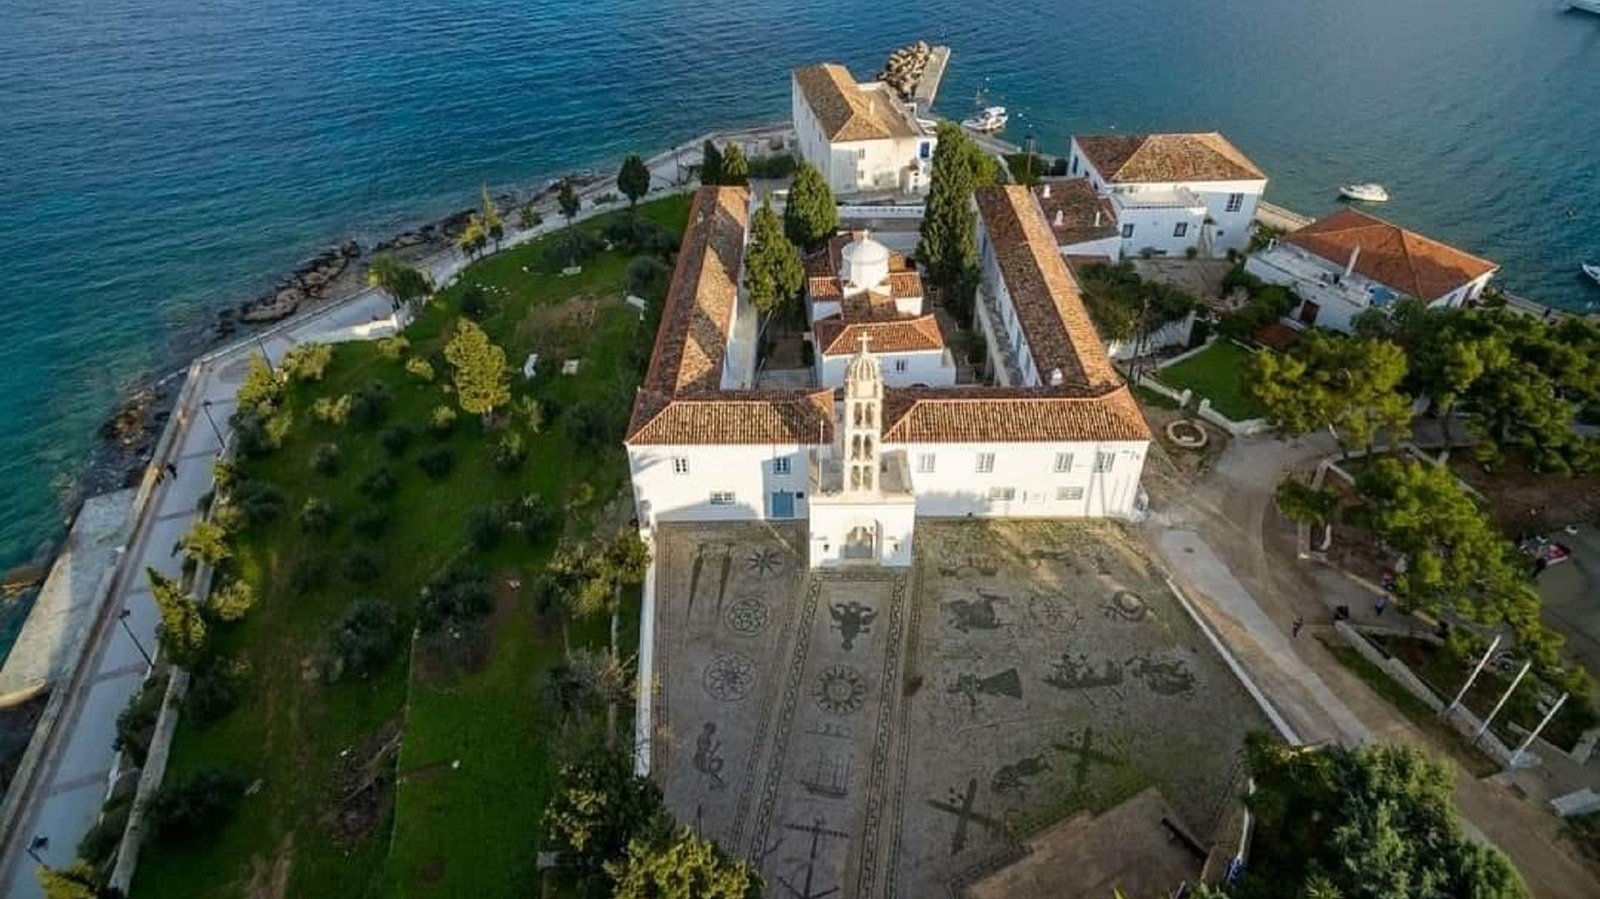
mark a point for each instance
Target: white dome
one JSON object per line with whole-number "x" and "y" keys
{"x": 866, "y": 262}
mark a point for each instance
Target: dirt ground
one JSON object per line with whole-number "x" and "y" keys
{"x": 1523, "y": 501}
{"x": 898, "y": 732}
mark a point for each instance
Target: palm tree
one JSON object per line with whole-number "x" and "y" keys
{"x": 406, "y": 286}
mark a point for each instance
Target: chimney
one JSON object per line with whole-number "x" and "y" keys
{"x": 1355, "y": 253}
{"x": 1055, "y": 377}
{"x": 859, "y": 235}
{"x": 1045, "y": 191}
{"x": 1061, "y": 218}
{"x": 1097, "y": 218}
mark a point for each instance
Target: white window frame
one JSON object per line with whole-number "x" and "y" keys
{"x": 1002, "y": 494}
{"x": 1104, "y": 462}
{"x": 984, "y": 464}
{"x": 680, "y": 464}
{"x": 927, "y": 463}
{"x": 1181, "y": 229}
{"x": 1127, "y": 231}
{"x": 1063, "y": 463}
{"x": 723, "y": 498}
{"x": 1069, "y": 494}
{"x": 1235, "y": 203}
{"x": 780, "y": 465}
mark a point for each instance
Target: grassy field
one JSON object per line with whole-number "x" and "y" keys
{"x": 475, "y": 758}
{"x": 1217, "y": 374}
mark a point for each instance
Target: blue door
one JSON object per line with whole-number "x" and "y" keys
{"x": 782, "y": 504}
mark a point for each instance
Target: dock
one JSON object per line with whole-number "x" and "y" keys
{"x": 1275, "y": 216}
{"x": 928, "y": 84}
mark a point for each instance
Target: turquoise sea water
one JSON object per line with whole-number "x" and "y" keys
{"x": 160, "y": 159}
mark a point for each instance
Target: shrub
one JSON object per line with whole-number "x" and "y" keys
{"x": 362, "y": 566}
{"x": 442, "y": 419}
{"x": 206, "y": 542}
{"x": 452, "y": 597}
{"x": 259, "y": 432}
{"x": 371, "y": 522}
{"x": 534, "y": 517}
{"x": 776, "y": 167}
{"x": 396, "y": 438}
{"x": 232, "y": 601}
{"x": 530, "y": 412}
{"x": 363, "y": 639}
{"x": 331, "y": 410}
{"x": 573, "y": 246}
{"x": 100, "y": 844}
{"x": 257, "y": 502}
{"x": 474, "y": 302}
{"x": 510, "y": 452}
{"x": 380, "y": 483}
{"x": 369, "y": 405}
{"x": 317, "y": 516}
{"x": 307, "y": 574}
{"x": 640, "y": 235}
{"x": 485, "y": 524}
{"x": 216, "y": 689}
{"x": 393, "y": 347}
{"x": 648, "y": 278}
{"x": 437, "y": 462}
{"x": 420, "y": 368}
{"x": 197, "y": 805}
{"x": 591, "y": 425}
{"x": 137, "y": 721}
{"x": 325, "y": 459}
{"x": 307, "y": 362}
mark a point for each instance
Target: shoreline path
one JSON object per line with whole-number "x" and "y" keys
{"x": 67, "y": 772}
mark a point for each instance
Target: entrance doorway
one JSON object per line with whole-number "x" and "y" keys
{"x": 783, "y": 504}
{"x": 860, "y": 543}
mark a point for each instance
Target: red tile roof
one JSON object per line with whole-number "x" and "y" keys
{"x": 846, "y": 111}
{"x": 680, "y": 401}
{"x": 1164, "y": 158}
{"x": 1010, "y": 415}
{"x": 1402, "y": 260}
{"x": 838, "y": 337}
{"x": 1046, "y": 297}
{"x": 1071, "y": 209}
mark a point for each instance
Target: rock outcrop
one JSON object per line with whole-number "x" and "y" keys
{"x": 903, "y": 71}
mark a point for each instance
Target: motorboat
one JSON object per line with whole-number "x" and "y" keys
{"x": 1593, "y": 271}
{"x": 990, "y": 120}
{"x": 1370, "y": 192}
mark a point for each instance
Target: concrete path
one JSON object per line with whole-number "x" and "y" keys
{"x": 67, "y": 787}
{"x": 1230, "y": 550}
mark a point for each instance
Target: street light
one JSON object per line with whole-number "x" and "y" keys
{"x": 205, "y": 406}
{"x": 122, "y": 616}
{"x": 261, "y": 345}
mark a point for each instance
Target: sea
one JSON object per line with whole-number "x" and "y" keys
{"x": 163, "y": 159}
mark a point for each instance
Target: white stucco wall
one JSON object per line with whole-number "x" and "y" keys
{"x": 1154, "y": 229}
{"x": 956, "y": 488}
{"x": 892, "y": 523}
{"x": 928, "y": 367}
{"x": 859, "y": 166}
{"x": 748, "y": 472}
{"x": 1108, "y": 247}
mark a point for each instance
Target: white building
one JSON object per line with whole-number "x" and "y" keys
{"x": 861, "y": 467}
{"x": 1349, "y": 262}
{"x": 1084, "y": 222}
{"x": 860, "y": 136}
{"x": 856, "y": 287}
{"x": 1173, "y": 192}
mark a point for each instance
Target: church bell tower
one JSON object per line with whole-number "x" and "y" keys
{"x": 863, "y": 407}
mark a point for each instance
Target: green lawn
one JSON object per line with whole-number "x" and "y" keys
{"x": 475, "y": 761}
{"x": 1217, "y": 374}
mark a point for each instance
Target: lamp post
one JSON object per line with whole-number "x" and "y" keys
{"x": 122, "y": 616}
{"x": 205, "y": 406}
{"x": 262, "y": 346}
{"x": 1028, "y": 147}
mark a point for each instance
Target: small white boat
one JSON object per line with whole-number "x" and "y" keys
{"x": 1593, "y": 271}
{"x": 990, "y": 120}
{"x": 1370, "y": 192}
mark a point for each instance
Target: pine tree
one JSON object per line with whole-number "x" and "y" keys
{"x": 773, "y": 271}
{"x": 481, "y": 381}
{"x": 406, "y": 286}
{"x": 494, "y": 227}
{"x": 710, "y": 165}
{"x": 949, "y": 245}
{"x": 183, "y": 630}
{"x": 811, "y": 215}
{"x": 735, "y": 168}
{"x": 633, "y": 179}
{"x": 568, "y": 200}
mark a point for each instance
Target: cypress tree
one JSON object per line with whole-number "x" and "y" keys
{"x": 710, "y": 165}
{"x": 949, "y": 245}
{"x": 811, "y": 216}
{"x": 735, "y": 168}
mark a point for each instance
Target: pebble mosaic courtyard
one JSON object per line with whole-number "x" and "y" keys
{"x": 880, "y": 732}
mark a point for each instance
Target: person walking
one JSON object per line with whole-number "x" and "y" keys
{"x": 1381, "y": 603}
{"x": 172, "y": 469}
{"x": 1299, "y": 622}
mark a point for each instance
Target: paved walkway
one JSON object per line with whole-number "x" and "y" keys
{"x": 1233, "y": 553}
{"x": 71, "y": 782}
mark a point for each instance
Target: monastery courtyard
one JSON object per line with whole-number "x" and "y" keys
{"x": 901, "y": 732}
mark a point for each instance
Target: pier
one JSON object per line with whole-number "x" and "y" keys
{"x": 928, "y": 84}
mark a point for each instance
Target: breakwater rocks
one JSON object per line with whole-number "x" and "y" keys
{"x": 307, "y": 282}
{"x": 904, "y": 68}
